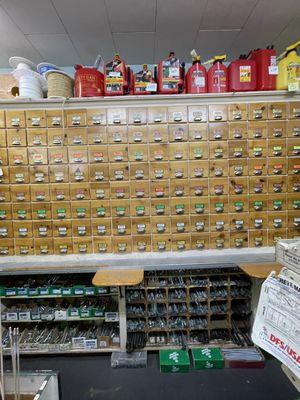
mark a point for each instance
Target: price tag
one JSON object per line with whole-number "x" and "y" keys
{"x": 293, "y": 87}
{"x": 273, "y": 69}
{"x": 199, "y": 81}
{"x": 151, "y": 87}
{"x": 174, "y": 72}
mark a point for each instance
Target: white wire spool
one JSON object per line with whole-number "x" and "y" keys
{"x": 31, "y": 84}
{"x": 21, "y": 63}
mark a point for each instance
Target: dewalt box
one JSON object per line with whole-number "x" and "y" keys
{"x": 207, "y": 358}
{"x": 174, "y": 361}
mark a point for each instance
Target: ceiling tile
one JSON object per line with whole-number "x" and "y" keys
{"x": 179, "y": 15}
{"x": 88, "y": 28}
{"x": 226, "y": 14}
{"x": 131, "y": 15}
{"x": 34, "y": 16}
{"x": 179, "y": 42}
{"x": 265, "y": 24}
{"x": 89, "y": 46}
{"x": 289, "y": 35}
{"x": 127, "y": 43}
{"x": 13, "y": 42}
{"x": 81, "y": 16}
{"x": 57, "y": 49}
{"x": 211, "y": 43}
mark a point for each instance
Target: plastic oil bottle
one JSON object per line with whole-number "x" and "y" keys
{"x": 217, "y": 75}
{"x": 288, "y": 77}
{"x": 196, "y": 76}
{"x": 170, "y": 75}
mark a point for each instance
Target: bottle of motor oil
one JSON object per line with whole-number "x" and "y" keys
{"x": 170, "y": 75}
{"x": 242, "y": 75}
{"x": 88, "y": 81}
{"x": 196, "y": 76}
{"x": 115, "y": 75}
{"x": 266, "y": 67}
{"x": 289, "y": 69}
{"x": 144, "y": 82}
{"x": 217, "y": 76}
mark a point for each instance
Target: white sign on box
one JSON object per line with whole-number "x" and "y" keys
{"x": 276, "y": 327}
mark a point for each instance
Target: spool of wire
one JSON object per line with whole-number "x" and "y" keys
{"x": 60, "y": 84}
{"x": 31, "y": 84}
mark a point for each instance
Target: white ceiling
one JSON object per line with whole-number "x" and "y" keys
{"x": 66, "y": 32}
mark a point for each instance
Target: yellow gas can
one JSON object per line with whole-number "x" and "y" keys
{"x": 288, "y": 77}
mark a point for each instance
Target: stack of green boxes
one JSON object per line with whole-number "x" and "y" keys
{"x": 208, "y": 358}
{"x": 179, "y": 360}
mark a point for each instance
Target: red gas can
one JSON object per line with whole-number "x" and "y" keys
{"x": 88, "y": 82}
{"x": 115, "y": 74}
{"x": 196, "y": 77}
{"x": 242, "y": 75}
{"x": 170, "y": 75}
{"x": 217, "y": 76}
{"x": 266, "y": 67}
{"x": 144, "y": 82}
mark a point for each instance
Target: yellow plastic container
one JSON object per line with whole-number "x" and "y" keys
{"x": 288, "y": 77}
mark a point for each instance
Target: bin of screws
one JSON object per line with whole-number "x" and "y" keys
{"x": 122, "y": 359}
{"x": 192, "y": 305}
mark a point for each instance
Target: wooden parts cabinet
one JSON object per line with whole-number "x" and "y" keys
{"x": 206, "y": 173}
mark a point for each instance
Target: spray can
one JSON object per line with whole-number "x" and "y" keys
{"x": 196, "y": 76}
{"x": 288, "y": 77}
{"x": 217, "y": 75}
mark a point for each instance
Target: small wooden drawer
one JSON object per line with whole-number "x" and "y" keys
{"x": 137, "y": 115}
{"x": 238, "y": 112}
{"x": 16, "y": 138}
{"x": 36, "y": 118}
{"x": 218, "y": 112}
{"x": 258, "y": 111}
{"x": 15, "y": 119}
{"x": 96, "y": 116}
{"x": 76, "y": 117}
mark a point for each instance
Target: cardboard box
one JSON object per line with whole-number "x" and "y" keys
{"x": 207, "y": 358}
{"x": 174, "y": 361}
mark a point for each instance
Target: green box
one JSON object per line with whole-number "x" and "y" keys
{"x": 174, "y": 361}
{"x": 208, "y": 358}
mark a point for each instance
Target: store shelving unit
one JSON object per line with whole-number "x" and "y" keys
{"x": 196, "y": 306}
{"x": 57, "y": 310}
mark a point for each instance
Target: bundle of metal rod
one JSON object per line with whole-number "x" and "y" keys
{"x": 239, "y": 336}
{"x": 249, "y": 353}
{"x": 135, "y": 341}
{"x": 15, "y": 360}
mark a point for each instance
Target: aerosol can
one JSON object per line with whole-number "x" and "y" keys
{"x": 196, "y": 76}
{"x": 266, "y": 67}
{"x": 170, "y": 75}
{"x": 217, "y": 75}
{"x": 144, "y": 82}
{"x": 288, "y": 77}
{"x": 115, "y": 74}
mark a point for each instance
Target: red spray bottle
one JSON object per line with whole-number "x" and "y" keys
{"x": 217, "y": 76}
{"x": 196, "y": 76}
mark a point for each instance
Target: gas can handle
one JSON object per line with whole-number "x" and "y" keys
{"x": 78, "y": 66}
